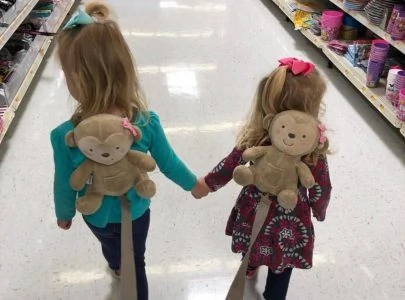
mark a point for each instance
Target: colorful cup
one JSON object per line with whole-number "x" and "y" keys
{"x": 332, "y": 15}
{"x": 394, "y": 15}
{"x": 398, "y": 85}
{"x": 398, "y": 30}
{"x": 401, "y": 105}
{"x": 389, "y": 90}
{"x": 374, "y": 70}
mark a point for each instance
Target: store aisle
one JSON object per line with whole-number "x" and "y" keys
{"x": 199, "y": 63}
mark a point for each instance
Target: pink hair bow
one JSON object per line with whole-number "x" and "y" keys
{"x": 322, "y": 135}
{"x": 296, "y": 66}
{"x": 127, "y": 125}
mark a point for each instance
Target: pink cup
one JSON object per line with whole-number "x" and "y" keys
{"x": 401, "y": 105}
{"x": 402, "y": 95}
{"x": 398, "y": 86}
{"x": 332, "y": 14}
{"x": 379, "y": 42}
{"x": 331, "y": 22}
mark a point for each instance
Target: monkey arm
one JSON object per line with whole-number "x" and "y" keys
{"x": 305, "y": 175}
{"x": 141, "y": 160}
{"x": 255, "y": 153}
{"x": 80, "y": 176}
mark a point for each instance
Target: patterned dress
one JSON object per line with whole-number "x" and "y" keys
{"x": 286, "y": 239}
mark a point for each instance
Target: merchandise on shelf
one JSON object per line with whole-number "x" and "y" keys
{"x": 15, "y": 50}
{"x": 331, "y": 22}
{"x": 389, "y": 90}
{"x": 395, "y": 12}
{"x": 347, "y": 37}
{"x": 30, "y": 22}
{"x": 377, "y": 9}
{"x": 355, "y": 4}
{"x": 350, "y": 52}
{"x": 401, "y": 105}
{"x": 5, "y": 6}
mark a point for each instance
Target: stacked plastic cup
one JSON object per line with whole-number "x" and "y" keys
{"x": 376, "y": 61}
{"x": 401, "y": 105}
{"x": 389, "y": 91}
{"x": 398, "y": 86}
{"x": 331, "y": 21}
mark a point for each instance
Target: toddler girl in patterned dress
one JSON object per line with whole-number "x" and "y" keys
{"x": 286, "y": 240}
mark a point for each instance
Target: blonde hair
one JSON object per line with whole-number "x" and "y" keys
{"x": 280, "y": 91}
{"x": 99, "y": 68}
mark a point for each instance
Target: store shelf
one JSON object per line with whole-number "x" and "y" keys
{"x": 356, "y": 76}
{"x": 14, "y": 17}
{"x": 23, "y": 78}
{"x": 316, "y": 40}
{"x": 282, "y": 5}
{"x": 361, "y": 17}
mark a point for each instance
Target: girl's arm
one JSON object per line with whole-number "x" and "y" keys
{"x": 319, "y": 195}
{"x": 223, "y": 172}
{"x": 64, "y": 195}
{"x": 167, "y": 160}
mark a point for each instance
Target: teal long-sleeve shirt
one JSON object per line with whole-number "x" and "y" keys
{"x": 68, "y": 159}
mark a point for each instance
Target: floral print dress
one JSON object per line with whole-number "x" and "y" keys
{"x": 286, "y": 239}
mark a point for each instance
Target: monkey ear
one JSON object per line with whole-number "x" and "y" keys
{"x": 70, "y": 139}
{"x": 267, "y": 121}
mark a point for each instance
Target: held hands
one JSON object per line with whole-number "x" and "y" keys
{"x": 201, "y": 189}
{"x": 65, "y": 225}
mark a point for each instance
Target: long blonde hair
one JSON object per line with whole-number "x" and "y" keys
{"x": 99, "y": 68}
{"x": 280, "y": 91}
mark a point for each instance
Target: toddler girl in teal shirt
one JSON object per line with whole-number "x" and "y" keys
{"x": 101, "y": 76}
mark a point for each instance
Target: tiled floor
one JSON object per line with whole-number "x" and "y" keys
{"x": 199, "y": 62}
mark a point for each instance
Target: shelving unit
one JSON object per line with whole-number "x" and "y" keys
{"x": 356, "y": 76}
{"x": 23, "y": 77}
{"x": 361, "y": 17}
{"x": 14, "y": 17}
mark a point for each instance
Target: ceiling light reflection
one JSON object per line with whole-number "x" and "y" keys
{"x": 170, "y": 34}
{"x": 207, "y": 7}
{"x": 76, "y": 277}
{"x": 215, "y": 127}
{"x": 322, "y": 258}
{"x": 153, "y": 69}
{"x": 211, "y": 265}
{"x": 182, "y": 83}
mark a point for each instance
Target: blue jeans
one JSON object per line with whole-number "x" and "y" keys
{"x": 110, "y": 239}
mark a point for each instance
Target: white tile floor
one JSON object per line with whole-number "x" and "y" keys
{"x": 200, "y": 62}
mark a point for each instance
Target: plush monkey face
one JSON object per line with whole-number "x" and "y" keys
{"x": 103, "y": 138}
{"x": 295, "y": 133}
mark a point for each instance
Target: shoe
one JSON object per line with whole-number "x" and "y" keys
{"x": 251, "y": 272}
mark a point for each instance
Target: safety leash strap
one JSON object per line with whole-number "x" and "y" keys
{"x": 128, "y": 273}
{"x": 237, "y": 288}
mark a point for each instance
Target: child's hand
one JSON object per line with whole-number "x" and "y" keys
{"x": 65, "y": 225}
{"x": 201, "y": 189}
